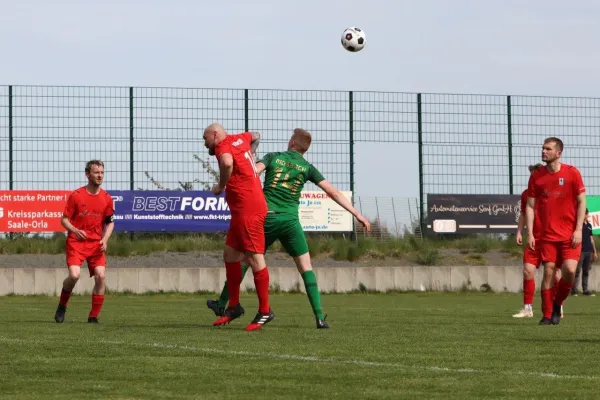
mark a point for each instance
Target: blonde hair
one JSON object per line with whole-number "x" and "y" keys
{"x": 302, "y": 140}
{"x": 91, "y": 163}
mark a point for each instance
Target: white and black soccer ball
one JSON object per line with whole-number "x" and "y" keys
{"x": 353, "y": 39}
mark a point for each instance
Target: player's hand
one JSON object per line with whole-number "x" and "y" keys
{"x": 531, "y": 242}
{"x": 217, "y": 190}
{"x": 595, "y": 257}
{"x": 365, "y": 222}
{"x": 79, "y": 234}
{"x": 519, "y": 238}
{"x": 576, "y": 239}
{"x": 103, "y": 244}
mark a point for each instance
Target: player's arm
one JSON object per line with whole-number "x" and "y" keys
{"x": 260, "y": 167}
{"x": 225, "y": 169}
{"x": 340, "y": 199}
{"x": 529, "y": 217}
{"x": 65, "y": 221}
{"x": 109, "y": 224}
{"x": 520, "y": 226}
{"x": 581, "y": 205}
{"x": 254, "y": 141}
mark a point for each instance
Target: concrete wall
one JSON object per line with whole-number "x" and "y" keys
{"x": 331, "y": 279}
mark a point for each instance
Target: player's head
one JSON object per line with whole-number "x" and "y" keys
{"x": 213, "y": 134}
{"x": 94, "y": 171}
{"x": 552, "y": 150}
{"x": 533, "y": 168}
{"x": 300, "y": 141}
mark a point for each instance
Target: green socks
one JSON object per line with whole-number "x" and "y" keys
{"x": 224, "y": 298}
{"x": 312, "y": 290}
{"x": 310, "y": 284}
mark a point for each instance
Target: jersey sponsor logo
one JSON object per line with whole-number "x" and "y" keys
{"x": 237, "y": 143}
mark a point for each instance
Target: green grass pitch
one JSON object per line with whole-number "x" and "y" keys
{"x": 394, "y": 346}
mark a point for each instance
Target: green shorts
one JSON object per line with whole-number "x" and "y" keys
{"x": 286, "y": 228}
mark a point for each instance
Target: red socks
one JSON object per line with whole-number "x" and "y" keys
{"x": 261, "y": 281}
{"x": 547, "y": 300}
{"x": 562, "y": 292}
{"x": 528, "y": 291}
{"x": 64, "y": 297}
{"x": 97, "y": 301}
{"x": 233, "y": 271}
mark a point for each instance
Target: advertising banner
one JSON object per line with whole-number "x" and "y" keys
{"x": 32, "y": 210}
{"x": 466, "y": 213}
{"x": 158, "y": 211}
{"x": 170, "y": 211}
{"x": 318, "y": 212}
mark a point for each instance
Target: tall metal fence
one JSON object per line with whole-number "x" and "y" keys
{"x": 152, "y": 137}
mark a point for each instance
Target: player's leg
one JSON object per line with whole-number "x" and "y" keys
{"x": 294, "y": 241}
{"x": 549, "y": 255}
{"x": 271, "y": 233}
{"x": 233, "y": 272}
{"x": 528, "y": 289}
{"x": 65, "y": 294}
{"x": 588, "y": 257}
{"x": 74, "y": 262}
{"x": 254, "y": 244}
{"x": 570, "y": 258}
{"x": 555, "y": 280}
{"x": 97, "y": 270}
{"x": 577, "y": 276}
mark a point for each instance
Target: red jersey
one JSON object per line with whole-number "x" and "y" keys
{"x": 556, "y": 201}
{"x": 244, "y": 191}
{"x": 537, "y": 227}
{"x": 88, "y": 212}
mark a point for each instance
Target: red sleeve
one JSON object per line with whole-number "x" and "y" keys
{"x": 523, "y": 202}
{"x": 70, "y": 206}
{"x": 578, "y": 186}
{"x": 247, "y": 136}
{"x": 110, "y": 207}
{"x": 221, "y": 149}
{"x": 531, "y": 187}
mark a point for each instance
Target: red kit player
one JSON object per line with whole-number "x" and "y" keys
{"x": 88, "y": 218}
{"x": 557, "y": 193}
{"x": 246, "y": 236}
{"x": 531, "y": 259}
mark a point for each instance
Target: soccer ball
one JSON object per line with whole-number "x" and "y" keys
{"x": 353, "y": 39}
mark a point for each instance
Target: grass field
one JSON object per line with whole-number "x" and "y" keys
{"x": 412, "y": 345}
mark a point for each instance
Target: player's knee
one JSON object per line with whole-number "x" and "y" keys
{"x": 99, "y": 276}
{"x": 74, "y": 275}
{"x": 303, "y": 263}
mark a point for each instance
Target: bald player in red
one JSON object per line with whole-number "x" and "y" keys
{"x": 557, "y": 193}
{"x": 246, "y": 236}
{"x": 89, "y": 220}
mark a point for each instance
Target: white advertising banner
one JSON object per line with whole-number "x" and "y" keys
{"x": 318, "y": 212}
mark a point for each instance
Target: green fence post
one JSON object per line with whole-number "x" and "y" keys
{"x": 510, "y": 144}
{"x": 131, "y": 152}
{"x": 421, "y": 184}
{"x": 10, "y": 137}
{"x": 246, "y": 112}
{"x": 351, "y": 140}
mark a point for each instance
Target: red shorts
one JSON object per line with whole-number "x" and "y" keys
{"x": 557, "y": 252}
{"x": 247, "y": 233}
{"x": 533, "y": 257}
{"x": 78, "y": 252}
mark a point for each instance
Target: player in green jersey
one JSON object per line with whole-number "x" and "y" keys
{"x": 285, "y": 176}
